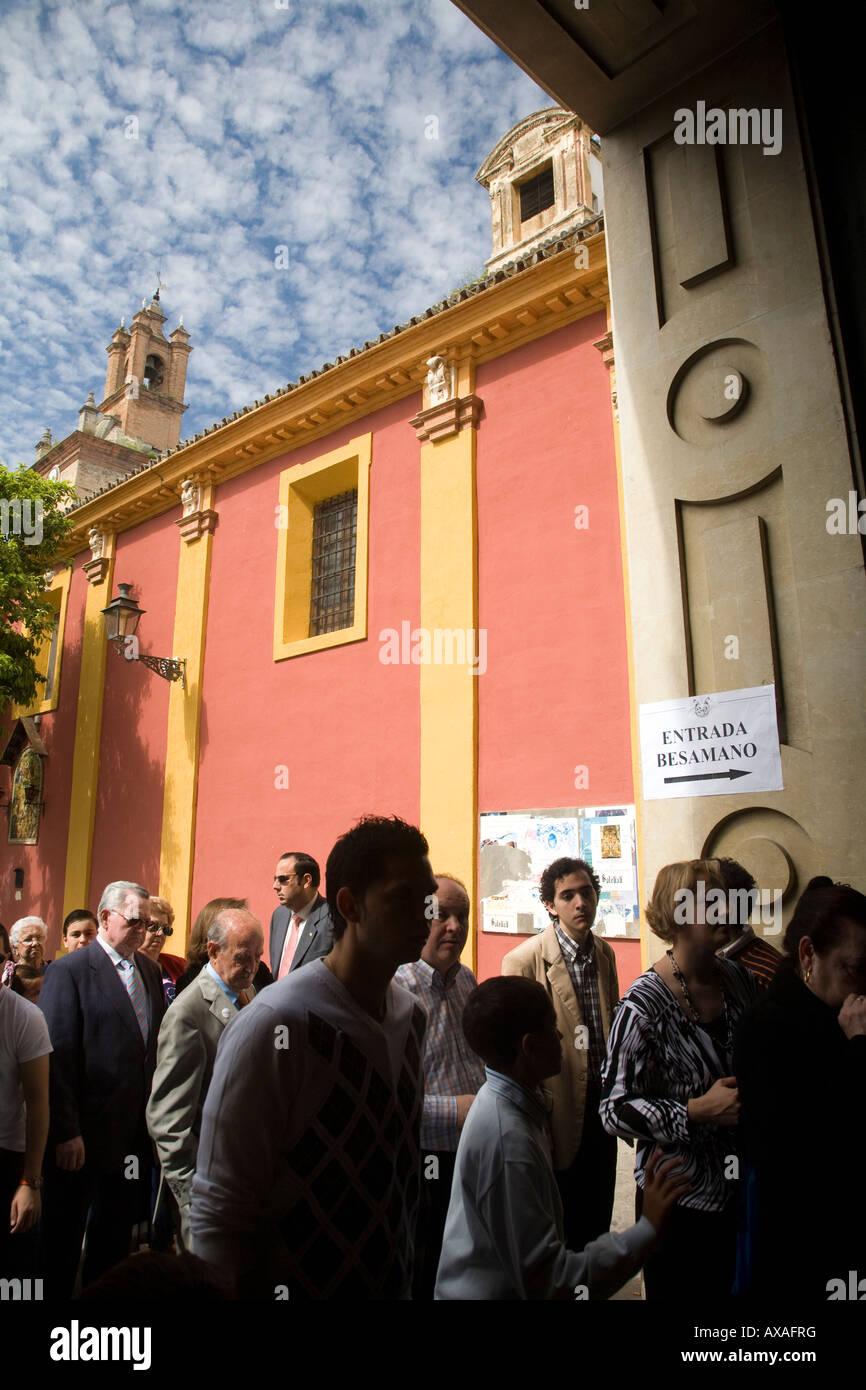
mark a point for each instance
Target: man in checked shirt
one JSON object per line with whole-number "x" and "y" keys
{"x": 578, "y": 970}
{"x": 452, "y": 1071}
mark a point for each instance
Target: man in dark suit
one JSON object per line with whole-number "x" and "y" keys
{"x": 301, "y": 928}
{"x": 103, "y": 1005}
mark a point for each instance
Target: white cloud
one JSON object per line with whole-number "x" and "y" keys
{"x": 255, "y": 126}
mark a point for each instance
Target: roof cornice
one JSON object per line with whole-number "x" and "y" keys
{"x": 521, "y": 303}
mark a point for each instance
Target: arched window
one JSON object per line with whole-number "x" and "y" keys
{"x": 153, "y": 373}
{"x": 26, "y": 800}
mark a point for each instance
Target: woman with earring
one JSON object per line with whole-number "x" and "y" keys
{"x": 668, "y": 1079}
{"x": 800, "y": 1059}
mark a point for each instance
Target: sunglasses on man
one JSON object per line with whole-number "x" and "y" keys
{"x": 145, "y": 922}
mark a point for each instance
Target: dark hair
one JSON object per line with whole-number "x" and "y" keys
{"x": 741, "y": 892}
{"x": 561, "y": 868}
{"x": 304, "y": 864}
{"x": 818, "y": 915}
{"x": 735, "y": 876}
{"x": 5, "y": 943}
{"x": 24, "y": 975}
{"x": 499, "y": 1013}
{"x": 358, "y": 858}
{"x": 78, "y": 914}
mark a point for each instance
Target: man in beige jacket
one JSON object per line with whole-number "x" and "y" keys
{"x": 188, "y": 1039}
{"x": 578, "y": 970}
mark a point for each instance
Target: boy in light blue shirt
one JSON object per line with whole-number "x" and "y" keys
{"x": 504, "y": 1230}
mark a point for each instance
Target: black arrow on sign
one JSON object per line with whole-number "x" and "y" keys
{"x": 731, "y": 773}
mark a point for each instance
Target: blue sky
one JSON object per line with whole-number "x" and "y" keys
{"x": 199, "y": 139}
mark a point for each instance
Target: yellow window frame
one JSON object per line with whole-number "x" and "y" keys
{"x": 301, "y": 489}
{"x": 57, "y": 595}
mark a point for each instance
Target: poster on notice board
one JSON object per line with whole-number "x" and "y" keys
{"x": 516, "y": 847}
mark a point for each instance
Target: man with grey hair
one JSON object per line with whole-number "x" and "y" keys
{"x": 103, "y": 1005}
{"x": 188, "y": 1040}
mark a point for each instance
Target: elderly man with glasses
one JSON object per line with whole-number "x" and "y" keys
{"x": 301, "y": 928}
{"x": 103, "y": 1005}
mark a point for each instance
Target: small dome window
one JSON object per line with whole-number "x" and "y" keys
{"x": 537, "y": 194}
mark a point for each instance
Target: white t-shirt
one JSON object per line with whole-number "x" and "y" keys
{"x": 23, "y": 1037}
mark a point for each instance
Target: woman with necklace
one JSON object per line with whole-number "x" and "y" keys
{"x": 668, "y": 1078}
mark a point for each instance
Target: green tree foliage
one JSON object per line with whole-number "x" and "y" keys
{"x": 32, "y": 531}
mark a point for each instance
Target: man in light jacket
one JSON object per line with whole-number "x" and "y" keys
{"x": 188, "y": 1039}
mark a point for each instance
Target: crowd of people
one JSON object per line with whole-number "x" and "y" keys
{"x": 362, "y": 1119}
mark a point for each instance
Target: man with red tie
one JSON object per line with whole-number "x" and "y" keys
{"x": 301, "y": 928}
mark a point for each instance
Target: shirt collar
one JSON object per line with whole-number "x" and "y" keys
{"x": 735, "y": 947}
{"x": 434, "y": 979}
{"x": 221, "y": 982}
{"x": 113, "y": 955}
{"x": 571, "y": 948}
{"x": 304, "y": 912}
{"x": 532, "y": 1103}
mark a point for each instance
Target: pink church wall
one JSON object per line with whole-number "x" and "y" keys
{"x": 345, "y": 726}
{"x": 555, "y": 695}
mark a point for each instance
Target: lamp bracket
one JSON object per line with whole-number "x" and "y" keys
{"x": 168, "y": 667}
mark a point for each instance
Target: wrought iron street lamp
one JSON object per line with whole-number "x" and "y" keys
{"x": 122, "y": 617}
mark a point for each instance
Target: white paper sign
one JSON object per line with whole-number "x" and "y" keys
{"x": 505, "y": 920}
{"x": 711, "y": 745}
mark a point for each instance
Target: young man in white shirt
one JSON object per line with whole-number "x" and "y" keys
{"x": 306, "y": 1183}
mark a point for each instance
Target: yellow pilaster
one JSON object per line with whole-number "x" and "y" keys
{"x": 88, "y": 727}
{"x": 449, "y": 689}
{"x": 184, "y": 718}
{"x": 634, "y": 712}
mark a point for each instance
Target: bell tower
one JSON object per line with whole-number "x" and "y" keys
{"x": 139, "y": 416}
{"x": 146, "y": 378}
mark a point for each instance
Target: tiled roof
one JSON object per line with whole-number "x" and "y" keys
{"x": 539, "y": 253}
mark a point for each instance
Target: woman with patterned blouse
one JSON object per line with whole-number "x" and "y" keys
{"x": 668, "y": 1079}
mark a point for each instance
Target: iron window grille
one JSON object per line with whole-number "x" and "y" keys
{"x": 332, "y": 592}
